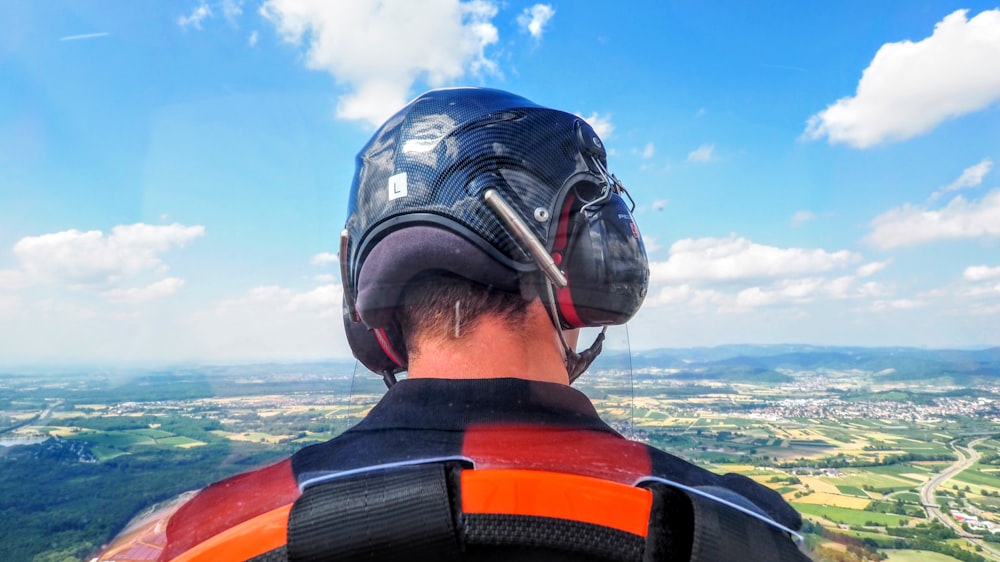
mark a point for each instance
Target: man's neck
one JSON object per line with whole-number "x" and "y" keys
{"x": 496, "y": 349}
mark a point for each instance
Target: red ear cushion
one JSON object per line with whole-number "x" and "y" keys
{"x": 405, "y": 253}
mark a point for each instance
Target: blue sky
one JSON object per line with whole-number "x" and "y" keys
{"x": 173, "y": 175}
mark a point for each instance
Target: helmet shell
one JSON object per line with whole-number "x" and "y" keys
{"x": 444, "y": 149}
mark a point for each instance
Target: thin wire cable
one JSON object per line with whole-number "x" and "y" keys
{"x": 350, "y": 397}
{"x": 631, "y": 384}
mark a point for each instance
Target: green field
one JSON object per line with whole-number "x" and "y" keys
{"x": 850, "y": 516}
{"x": 977, "y": 478}
{"x": 917, "y": 556}
{"x": 852, "y": 491}
{"x": 179, "y": 441}
{"x": 876, "y": 481}
{"x": 907, "y": 497}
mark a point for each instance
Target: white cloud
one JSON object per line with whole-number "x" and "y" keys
{"x": 378, "y": 50}
{"x": 232, "y": 9}
{"x": 897, "y": 304}
{"x": 252, "y": 40}
{"x": 802, "y": 217}
{"x": 796, "y": 290}
{"x": 90, "y": 258}
{"x": 872, "y": 268}
{"x": 9, "y": 306}
{"x": 157, "y": 290}
{"x": 534, "y": 19}
{"x": 648, "y": 151}
{"x": 704, "y": 153}
{"x": 971, "y": 176}
{"x": 911, "y": 87}
{"x": 85, "y": 36}
{"x": 981, "y": 273}
{"x": 11, "y": 280}
{"x": 660, "y": 204}
{"x": 198, "y": 15}
{"x": 733, "y": 258}
{"x": 322, "y": 301}
{"x": 273, "y": 323}
{"x": 601, "y": 123}
{"x": 910, "y": 224}
{"x": 684, "y": 294}
{"x": 325, "y": 300}
{"x": 324, "y": 258}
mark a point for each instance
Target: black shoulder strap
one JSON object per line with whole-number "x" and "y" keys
{"x": 400, "y": 514}
{"x": 415, "y": 513}
{"x": 717, "y": 531}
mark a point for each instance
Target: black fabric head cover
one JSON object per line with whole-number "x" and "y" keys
{"x": 402, "y": 255}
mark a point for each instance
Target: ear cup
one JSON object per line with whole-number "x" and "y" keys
{"x": 382, "y": 351}
{"x": 604, "y": 259}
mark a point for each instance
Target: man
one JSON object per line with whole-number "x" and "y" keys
{"x": 483, "y": 231}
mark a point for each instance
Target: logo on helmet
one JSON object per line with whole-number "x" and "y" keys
{"x": 397, "y": 186}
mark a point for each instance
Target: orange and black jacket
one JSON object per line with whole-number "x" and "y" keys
{"x": 478, "y": 469}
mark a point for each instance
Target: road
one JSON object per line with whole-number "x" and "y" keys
{"x": 41, "y": 416}
{"x": 967, "y": 456}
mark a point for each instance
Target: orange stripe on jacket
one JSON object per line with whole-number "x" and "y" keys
{"x": 560, "y": 496}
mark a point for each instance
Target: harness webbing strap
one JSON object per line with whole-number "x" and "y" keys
{"x": 723, "y": 533}
{"x": 399, "y": 514}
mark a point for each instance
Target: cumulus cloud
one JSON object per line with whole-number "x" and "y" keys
{"x": 648, "y": 151}
{"x": 194, "y": 19}
{"x": 981, "y": 273}
{"x": 685, "y": 294}
{"x": 913, "y": 224}
{"x": 157, "y": 290}
{"x": 735, "y": 275}
{"x": 872, "y": 268}
{"x": 704, "y": 153}
{"x": 11, "y": 279}
{"x": 324, "y": 258}
{"x": 323, "y": 301}
{"x": 911, "y": 87}
{"x": 791, "y": 290}
{"x": 534, "y": 19}
{"x": 601, "y": 123}
{"x": 378, "y": 50}
{"x": 91, "y": 258}
{"x": 897, "y": 304}
{"x": 971, "y": 176}
{"x": 733, "y": 258}
{"x": 232, "y": 9}
{"x": 273, "y": 322}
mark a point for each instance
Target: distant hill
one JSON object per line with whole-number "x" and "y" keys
{"x": 768, "y": 363}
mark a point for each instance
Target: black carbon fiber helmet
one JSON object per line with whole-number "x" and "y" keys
{"x": 494, "y": 188}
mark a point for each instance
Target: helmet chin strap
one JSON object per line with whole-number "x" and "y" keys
{"x": 576, "y": 363}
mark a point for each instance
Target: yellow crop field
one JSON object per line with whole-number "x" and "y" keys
{"x": 819, "y": 485}
{"x": 835, "y": 500}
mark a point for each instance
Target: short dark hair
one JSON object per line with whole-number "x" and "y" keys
{"x": 443, "y": 306}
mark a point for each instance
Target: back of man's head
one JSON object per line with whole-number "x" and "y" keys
{"x": 489, "y": 194}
